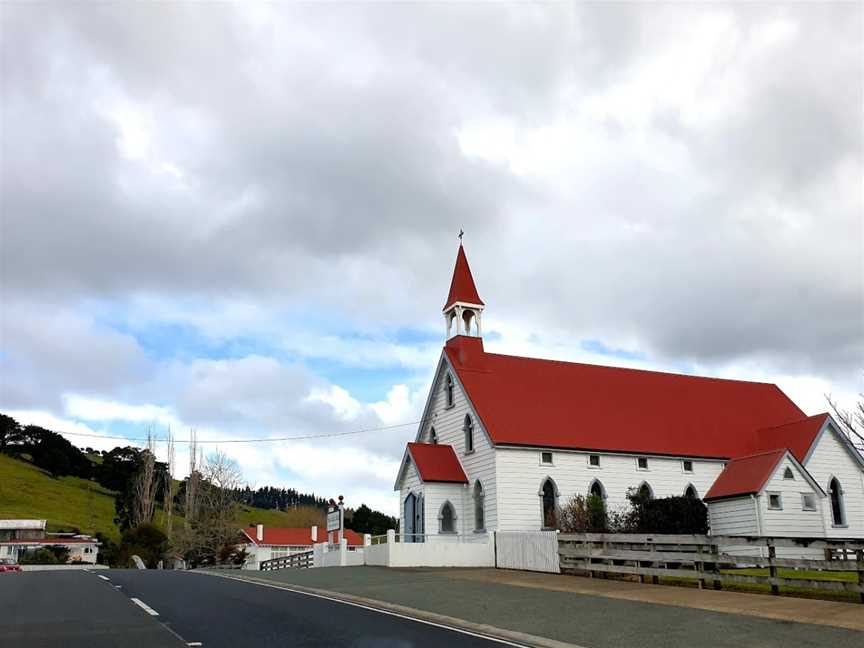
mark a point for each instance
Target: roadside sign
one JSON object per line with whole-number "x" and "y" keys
{"x": 334, "y": 519}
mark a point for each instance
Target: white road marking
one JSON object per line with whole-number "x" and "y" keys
{"x": 105, "y": 578}
{"x": 194, "y": 643}
{"x": 387, "y": 612}
{"x": 145, "y": 607}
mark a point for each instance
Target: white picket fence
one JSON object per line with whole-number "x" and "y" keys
{"x": 527, "y": 550}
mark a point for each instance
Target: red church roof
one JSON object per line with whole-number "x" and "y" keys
{"x": 745, "y": 475}
{"x": 532, "y": 402}
{"x": 798, "y": 436}
{"x": 297, "y": 536}
{"x": 437, "y": 463}
{"x": 462, "y": 288}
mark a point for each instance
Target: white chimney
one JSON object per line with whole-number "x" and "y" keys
{"x": 259, "y": 532}
{"x": 314, "y": 534}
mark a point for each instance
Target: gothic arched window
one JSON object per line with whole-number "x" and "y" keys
{"x": 447, "y": 519}
{"x": 838, "y": 513}
{"x": 469, "y": 434}
{"x": 479, "y": 507}
{"x": 448, "y": 390}
{"x": 549, "y": 503}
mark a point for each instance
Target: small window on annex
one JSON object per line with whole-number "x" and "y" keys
{"x": 447, "y": 519}
{"x": 808, "y": 502}
{"x": 546, "y": 458}
{"x": 775, "y": 502}
{"x": 788, "y": 474}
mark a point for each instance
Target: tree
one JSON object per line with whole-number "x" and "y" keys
{"x": 851, "y": 421}
{"x": 213, "y": 528}
{"x": 8, "y": 430}
{"x": 146, "y": 483}
{"x": 145, "y": 541}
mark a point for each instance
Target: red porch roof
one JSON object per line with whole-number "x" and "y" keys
{"x": 745, "y": 475}
{"x": 437, "y": 463}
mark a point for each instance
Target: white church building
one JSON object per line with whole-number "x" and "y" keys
{"x": 505, "y": 440}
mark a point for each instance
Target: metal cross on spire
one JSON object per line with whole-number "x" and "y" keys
{"x": 461, "y": 234}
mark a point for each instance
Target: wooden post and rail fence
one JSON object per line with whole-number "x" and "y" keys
{"x": 294, "y": 561}
{"x": 702, "y": 558}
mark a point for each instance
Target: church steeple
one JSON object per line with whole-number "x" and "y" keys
{"x": 464, "y": 306}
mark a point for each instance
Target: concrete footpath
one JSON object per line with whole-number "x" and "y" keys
{"x": 591, "y": 612}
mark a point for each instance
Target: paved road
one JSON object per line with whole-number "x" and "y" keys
{"x": 225, "y": 613}
{"x": 73, "y": 610}
{"x": 586, "y": 620}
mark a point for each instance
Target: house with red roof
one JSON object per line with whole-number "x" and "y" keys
{"x": 20, "y": 537}
{"x": 504, "y": 440}
{"x": 265, "y": 543}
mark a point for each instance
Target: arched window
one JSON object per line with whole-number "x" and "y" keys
{"x": 690, "y": 492}
{"x": 645, "y": 491}
{"x": 596, "y": 490}
{"x": 448, "y": 390}
{"x": 479, "y": 507}
{"x": 469, "y": 434}
{"x": 447, "y": 519}
{"x": 838, "y": 513}
{"x": 549, "y": 503}
{"x": 433, "y": 436}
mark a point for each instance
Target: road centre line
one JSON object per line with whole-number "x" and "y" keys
{"x": 144, "y": 606}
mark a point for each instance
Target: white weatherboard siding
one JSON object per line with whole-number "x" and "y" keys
{"x": 480, "y": 464}
{"x": 830, "y": 458}
{"x": 734, "y": 516}
{"x": 792, "y": 520}
{"x": 520, "y": 477}
{"x": 435, "y": 495}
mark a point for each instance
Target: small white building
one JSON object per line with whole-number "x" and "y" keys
{"x": 265, "y": 543}
{"x": 505, "y": 440}
{"x": 20, "y": 536}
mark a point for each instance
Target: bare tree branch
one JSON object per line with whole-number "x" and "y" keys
{"x": 851, "y": 421}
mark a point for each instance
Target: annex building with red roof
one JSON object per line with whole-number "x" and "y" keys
{"x": 505, "y": 440}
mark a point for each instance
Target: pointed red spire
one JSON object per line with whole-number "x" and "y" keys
{"x": 462, "y": 288}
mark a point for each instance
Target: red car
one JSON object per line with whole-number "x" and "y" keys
{"x": 9, "y": 565}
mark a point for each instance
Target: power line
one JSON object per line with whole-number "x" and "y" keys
{"x": 304, "y": 437}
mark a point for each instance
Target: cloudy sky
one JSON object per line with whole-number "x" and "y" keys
{"x": 242, "y": 218}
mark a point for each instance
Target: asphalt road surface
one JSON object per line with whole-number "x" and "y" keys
{"x": 50, "y": 609}
{"x": 71, "y": 609}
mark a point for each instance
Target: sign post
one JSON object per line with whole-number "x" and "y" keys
{"x": 335, "y": 520}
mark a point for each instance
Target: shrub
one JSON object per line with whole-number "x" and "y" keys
{"x": 582, "y": 514}
{"x": 677, "y": 514}
{"x": 53, "y": 555}
{"x": 147, "y": 541}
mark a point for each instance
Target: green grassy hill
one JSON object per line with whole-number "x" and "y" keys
{"x": 70, "y": 502}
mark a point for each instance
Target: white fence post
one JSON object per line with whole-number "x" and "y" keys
{"x": 391, "y": 536}
{"x": 367, "y": 539}
{"x": 343, "y": 552}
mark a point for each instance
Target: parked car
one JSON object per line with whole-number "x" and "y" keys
{"x": 9, "y": 565}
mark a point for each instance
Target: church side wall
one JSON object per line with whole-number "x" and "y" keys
{"x": 521, "y": 474}
{"x": 480, "y": 464}
{"x": 831, "y": 459}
